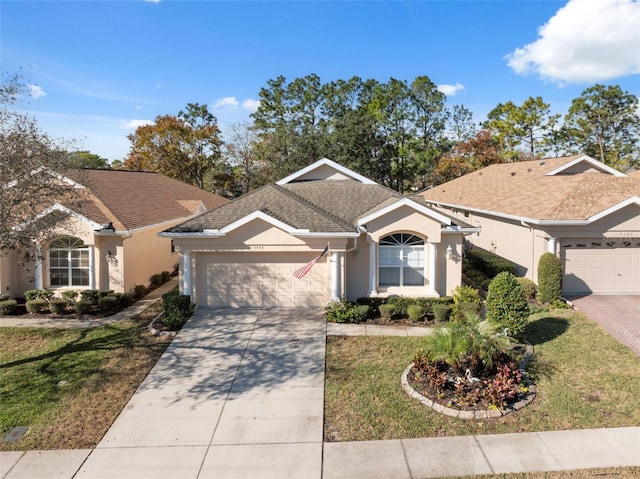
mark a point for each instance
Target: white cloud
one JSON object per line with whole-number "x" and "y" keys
{"x": 250, "y": 104}
{"x": 152, "y": 1}
{"x": 227, "y": 102}
{"x": 450, "y": 90}
{"x": 36, "y": 92}
{"x": 133, "y": 124}
{"x": 585, "y": 41}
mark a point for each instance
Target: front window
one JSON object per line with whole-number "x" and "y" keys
{"x": 68, "y": 262}
{"x": 401, "y": 260}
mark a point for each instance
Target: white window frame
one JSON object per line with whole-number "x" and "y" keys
{"x": 400, "y": 246}
{"x": 77, "y": 256}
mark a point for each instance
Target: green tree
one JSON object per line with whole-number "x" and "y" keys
{"x": 523, "y": 130}
{"x": 86, "y": 159}
{"x": 604, "y": 123}
{"x": 29, "y": 159}
{"x": 186, "y": 147}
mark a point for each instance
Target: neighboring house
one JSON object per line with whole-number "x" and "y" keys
{"x": 244, "y": 253}
{"x": 107, "y": 238}
{"x": 575, "y": 207}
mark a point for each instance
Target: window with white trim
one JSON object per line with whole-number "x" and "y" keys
{"x": 401, "y": 260}
{"x": 69, "y": 262}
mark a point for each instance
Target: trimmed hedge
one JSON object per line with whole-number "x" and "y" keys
{"x": 549, "y": 278}
{"x": 482, "y": 266}
{"x": 8, "y": 307}
{"x": 177, "y": 309}
{"x": 36, "y": 306}
{"x": 57, "y": 306}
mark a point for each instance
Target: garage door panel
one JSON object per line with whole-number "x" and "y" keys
{"x": 259, "y": 280}
{"x": 601, "y": 267}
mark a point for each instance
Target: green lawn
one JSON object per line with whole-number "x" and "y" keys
{"x": 585, "y": 379}
{"x": 68, "y": 385}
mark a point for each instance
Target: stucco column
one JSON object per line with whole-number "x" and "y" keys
{"x": 186, "y": 273}
{"x": 552, "y": 245}
{"x": 373, "y": 281}
{"x": 92, "y": 267}
{"x": 335, "y": 276}
{"x": 432, "y": 268}
{"x": 38, "y": 270}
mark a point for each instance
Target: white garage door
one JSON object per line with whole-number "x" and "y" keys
{"x": 259, "y": 280}
{"x": 601, "y": 266}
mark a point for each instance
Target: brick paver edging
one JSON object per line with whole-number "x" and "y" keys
{"x": 483, "y": 414}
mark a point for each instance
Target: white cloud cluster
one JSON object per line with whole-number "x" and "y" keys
{"x": 585, "y": 41}
{"x": 231, "y": 103}
{"x": 450, "y": 90}
{"x": 133, "y": 124}
{"x": 36, "y": 91}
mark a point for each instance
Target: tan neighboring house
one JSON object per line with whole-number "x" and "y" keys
{"x": 108, "y": 237}
{"x": 244, "y": 253}
{"x": 577, "y": 208}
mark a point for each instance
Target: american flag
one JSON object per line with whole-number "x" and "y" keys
{"x": 301, "y": 272}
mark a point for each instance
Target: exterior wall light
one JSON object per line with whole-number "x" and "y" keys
{"x": 449, "y": 252}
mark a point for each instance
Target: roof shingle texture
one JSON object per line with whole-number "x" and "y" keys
{"x": 136, "y": 199}
{"x": 328, "y": 206}
{"x": 522, "y": 189}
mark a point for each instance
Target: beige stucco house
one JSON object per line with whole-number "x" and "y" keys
{"x": 244, "y": 253}
{"x": 107, "y": 238}
{"x": 577, "y": 208}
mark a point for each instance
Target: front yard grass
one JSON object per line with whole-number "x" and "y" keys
{"x": 68, "y": 385}
{"x": 585, "y": 379}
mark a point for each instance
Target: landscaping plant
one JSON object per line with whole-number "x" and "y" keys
{"x": 549, "y": 278}
{"x": 507, "y": 306}
{"x": 342, "y": 311}
{"x": 466, "y": 300}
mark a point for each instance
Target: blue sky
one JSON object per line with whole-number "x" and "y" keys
{"x": 97, "y": 69}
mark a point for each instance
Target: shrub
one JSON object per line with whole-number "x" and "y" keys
{"x": 83, "y": 306}
{"x": 401, "y": 304}
{"x": 139, "y": 291}
{"x": 469, "y": 344}
{"x": 108, "y": 304}
{"x": 177, "y": 309}
{"x": 506, "y": 304}
{"x": 69, "y": 295}
{"x": 91, "y": 295}
{"x": 387, "y": 310}
{"x": 441, "y": 312}
{"x": 102, "y": 294}
{"x": 415, "y": 312}
{"x": 482, "y": 266}
{"x": 36, "y": 306}
{"x": 57, "y": 306}
{"x": 125, "y": 300}
{"x": 38, "y": 294}
{"x": 165, "y": 276}
{"x": 465, "y": 300}
{"x": 372, "y": 303}
{"x": 8, "y": 307}
{"x": 155, "y": 280}
{"x": 528, "y": 286}
{"x": 342, "y": 311}
{"x": 549, "y": 278}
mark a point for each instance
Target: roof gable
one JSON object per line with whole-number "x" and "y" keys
{"x": 325, "y": 169}
{"x": 584, "y": 164}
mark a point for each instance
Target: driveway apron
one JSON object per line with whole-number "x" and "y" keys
{"x": 619, "y": 315}
{"x": 238, "y": 393}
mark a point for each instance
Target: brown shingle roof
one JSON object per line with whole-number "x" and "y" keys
{"x": 523, "y": 189}
{"x": 327, "y": 206}
{"x": 136, "y": 199}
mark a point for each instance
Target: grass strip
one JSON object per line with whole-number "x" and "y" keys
{"x": 585, "y": 379}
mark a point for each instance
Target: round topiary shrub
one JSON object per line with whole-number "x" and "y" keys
{"x": 549, "y": 278}
{"x": 415, "y": 312}
{"x": 387, "y": 310}
{"x": 507, "y": 306}
{"x": 8, "y": 307}
{"x": 36, "y": 306}
{"x": 529, "y": 287}
{"x": 83, "y": 307}
{"x": 57, "y": 306}
{"x": 108, "y": 304}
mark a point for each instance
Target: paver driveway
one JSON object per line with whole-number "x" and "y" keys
{"x": 239, "y": 393}
{"x": 619, "y": 315}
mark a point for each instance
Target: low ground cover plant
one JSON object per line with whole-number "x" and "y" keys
{"x": 395, "y": 308}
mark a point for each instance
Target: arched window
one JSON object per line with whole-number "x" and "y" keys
{"x": 401, "y": 260}
{"x": 68, "y": 262}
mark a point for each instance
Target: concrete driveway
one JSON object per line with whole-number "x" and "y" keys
{"x": 238, "y": 393}
{"x": 619, "y": 315}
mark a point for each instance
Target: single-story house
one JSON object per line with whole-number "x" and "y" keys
{"x": 107, "y": 237}
{"x": 583, "y": 211}
{"x": 245, "y": 252}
